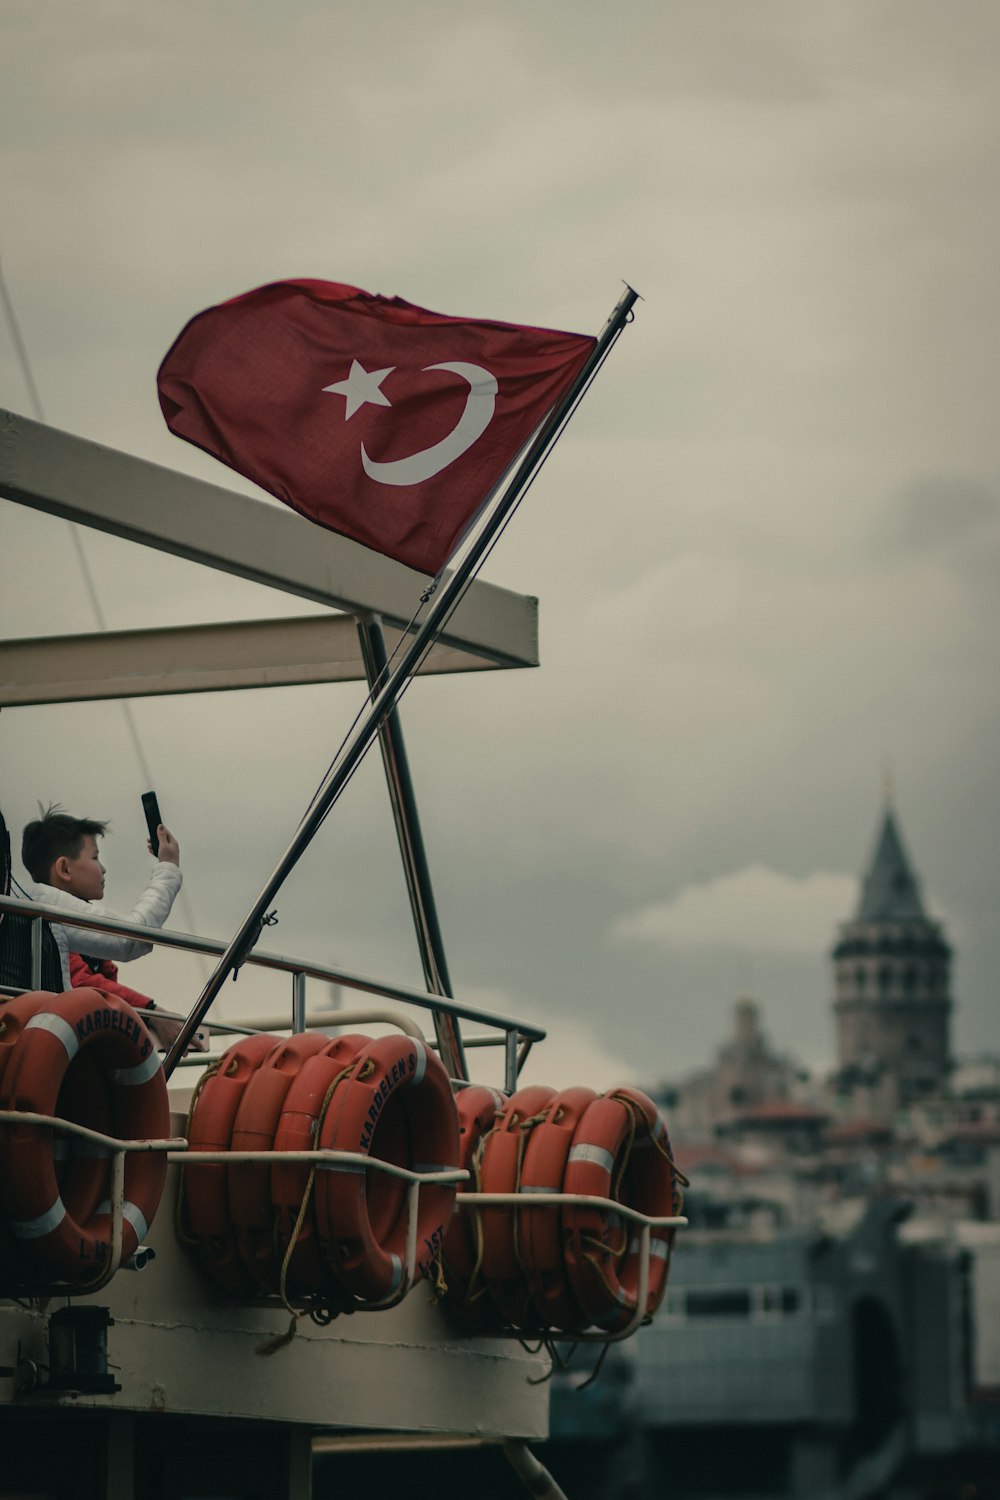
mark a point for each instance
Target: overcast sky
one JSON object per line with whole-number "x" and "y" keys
{"x": 766, "y": 550}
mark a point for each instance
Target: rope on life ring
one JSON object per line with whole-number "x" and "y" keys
{"x": 620, "y": 1151}
{"x": 478, "y": 1107}
{"x": 303, "y": 1267}
{"x": 395, "y": 1104}
{"x": 204, "y": 1206}
{"x": 539, "y": 1230}
{"x": 248, "y": 1184}
{"x": 48, "y": 1195}
{"x": 499, "y": 1172}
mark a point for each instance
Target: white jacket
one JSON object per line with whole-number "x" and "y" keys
{"x": 151, "y": 910}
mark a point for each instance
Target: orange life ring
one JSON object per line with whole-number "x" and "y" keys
{"x": 499, "y": 1168}
{"x": 248, "y": 1184}
{"x": 210, "y": 1128}
{"x": 13, "y": 1016}
{"x": 81, "y": 1024}
{"x": 620, "y": 1151}
{"x": 307, "y": 1269}
{"x": 539, "y": 1230}
{"x": 477, "y": 1108}
{"x": 81, "y": 1171}
{"x": 395, "y": 1103}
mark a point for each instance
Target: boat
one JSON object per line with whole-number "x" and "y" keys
{"x": 148, "y": 1377}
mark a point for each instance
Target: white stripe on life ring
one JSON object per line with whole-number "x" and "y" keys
{"x": 596, "y": 1154}
{"x": 421, "y": 1052}
{"x": 538, "y": 1188}
{"x": 137, "y": 1219}
{"x": 658, "y": 1249}
{"x": 140, "y": 1073}
{"x": 59, "y": 1027}
{"x": 397, "y": 1273}
{"x": 132, "y": 1213}
{"x": 36, "y": 1229}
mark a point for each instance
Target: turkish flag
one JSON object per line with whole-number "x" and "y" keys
{"x": 378, "y": 419}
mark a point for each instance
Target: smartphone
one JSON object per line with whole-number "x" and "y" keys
{"x": 151, "y": 809}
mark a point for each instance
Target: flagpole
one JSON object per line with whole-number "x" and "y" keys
{"x": 416, "y": 870}
{"x": 442, "y": 605}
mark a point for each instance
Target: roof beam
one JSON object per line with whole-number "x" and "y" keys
{"x": 197, "y": 659}
{"x": 81, "y": 481}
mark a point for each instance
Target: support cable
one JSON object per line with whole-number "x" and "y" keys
{"x": 87, "y": 572}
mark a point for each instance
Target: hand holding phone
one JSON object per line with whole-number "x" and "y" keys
{"x": 151, "y": 810}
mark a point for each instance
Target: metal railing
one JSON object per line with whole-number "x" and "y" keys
{"x": 516, "y": 1037}
{"x": 644, "y": 1223}
{"x": 117, "y": 1150}
{"x": 179, "y": 1153}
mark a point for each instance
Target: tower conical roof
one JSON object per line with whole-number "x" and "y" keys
{"x": 890, "y": 890}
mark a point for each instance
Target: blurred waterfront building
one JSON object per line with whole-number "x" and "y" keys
{"x": 832, "y": 1323}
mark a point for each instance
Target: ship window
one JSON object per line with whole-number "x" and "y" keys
{"x": 721, "y": 1302}
{"x": 781, "y": 1299}
{"x": 909, "y": 978}
{"x": 885, "y": 978}
{"x": 859, "y": 978}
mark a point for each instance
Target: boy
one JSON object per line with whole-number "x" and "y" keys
{"x": 61, "y": 855}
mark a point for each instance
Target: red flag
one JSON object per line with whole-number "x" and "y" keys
{"x": 375, "y": 418}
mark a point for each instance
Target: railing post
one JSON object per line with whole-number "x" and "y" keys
{"x": 298, "y": 1001}
{"x": 36, "y": 953}
{"x": 511, "y": 1061}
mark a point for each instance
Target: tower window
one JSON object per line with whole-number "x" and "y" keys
{"x": 885, "y": 979}
{"x": 859, "y": 977}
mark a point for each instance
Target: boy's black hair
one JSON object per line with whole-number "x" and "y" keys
{"x": 51, "y": 836}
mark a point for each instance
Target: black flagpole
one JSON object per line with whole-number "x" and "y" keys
{"x": 416, "y": 870}
{"x": 367, "y": 727}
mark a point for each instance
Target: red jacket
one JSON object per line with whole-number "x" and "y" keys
{"x": 101, "y": 974}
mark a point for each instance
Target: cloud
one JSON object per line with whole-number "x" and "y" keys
{"x": 939, "y": 513}
{"x": 766, "y": 550}
{"x": 756, "y": 909}
{"x": 571, "y": 1054}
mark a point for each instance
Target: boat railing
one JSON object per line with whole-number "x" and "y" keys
{"x": 643, "y": 1223}
{"x": 516, "y": 1037}
{"x": 178, "y": 1152}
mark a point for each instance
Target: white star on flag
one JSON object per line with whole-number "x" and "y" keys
{"x": 360, "y": 388}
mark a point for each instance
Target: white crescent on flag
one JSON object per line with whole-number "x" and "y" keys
{"x": 363, "y": 386}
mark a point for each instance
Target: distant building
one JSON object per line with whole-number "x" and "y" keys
{"x": 832, "y": 1324}
{"x": 746, "y": 1074}
{"x": 893, "y": 1003}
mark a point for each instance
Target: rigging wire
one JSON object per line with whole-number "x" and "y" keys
{"x": 90, "y": 586}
